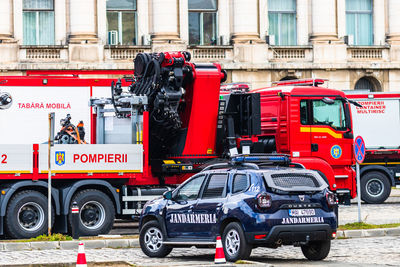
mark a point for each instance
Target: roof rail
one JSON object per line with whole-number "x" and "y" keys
{"x": 232, "y": 165}
{"x": 301, "y": 82}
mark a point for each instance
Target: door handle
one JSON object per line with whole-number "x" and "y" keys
{"x": 314, "y": 147}
{"x": 190, "y": 210}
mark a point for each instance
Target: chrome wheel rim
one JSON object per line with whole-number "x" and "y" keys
{"x": 153, "y": 239}
{"x": 375, "y": 187}
{"x": 92, "y": 215}
{"x": 232, "y": 242}
{"x": 31, "y": 216}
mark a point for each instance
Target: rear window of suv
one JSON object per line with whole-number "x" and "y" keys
{"x": 215, "y": 187}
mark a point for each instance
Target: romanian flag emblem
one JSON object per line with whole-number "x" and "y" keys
{"x": 60, "y": 158}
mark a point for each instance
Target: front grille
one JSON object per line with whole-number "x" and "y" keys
{"x": 290, "y": 180}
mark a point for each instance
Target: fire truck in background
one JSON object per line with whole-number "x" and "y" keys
{"x": 312, "y": 124}
{"x": 378, "y": 122}
{"x": 142, "y": 136}
{"x": 149, "y": 133}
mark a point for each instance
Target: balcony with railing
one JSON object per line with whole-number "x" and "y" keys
{"x": 57, "y": 53}
{"x": 124, "y": 53}
{"x": 290, "y": 53}
{"x": 211, "y": 53}
{"x": 368, "y": 53}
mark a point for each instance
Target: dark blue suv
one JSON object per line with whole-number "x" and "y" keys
{"x": 248, "y": 206}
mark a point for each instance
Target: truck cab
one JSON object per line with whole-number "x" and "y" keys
{"x": 310, "y": 123}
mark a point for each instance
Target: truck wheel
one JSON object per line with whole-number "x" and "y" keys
{"x": 316, "y": 250}
{"x": 234, "y": 243}
{"x": 375, "y": 188}
{"x": 151, "y": 240}
{"x": 96, "y": 212}
{"x": 26, "y": 215}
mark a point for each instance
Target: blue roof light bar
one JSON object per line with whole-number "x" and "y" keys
{"x": 250, "y": 158}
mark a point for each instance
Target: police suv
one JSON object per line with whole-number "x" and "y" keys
{"x": 249, "y": 205}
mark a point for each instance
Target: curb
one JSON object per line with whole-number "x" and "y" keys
{"x": 377, "y": 232}
{"x": 70, "y": 245}
{"x": 134, "y": 242}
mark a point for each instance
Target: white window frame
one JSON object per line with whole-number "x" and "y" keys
{"x": 119, "y": 12}
{"x": 37, "y": 11}
{"x": 202, "y": 11}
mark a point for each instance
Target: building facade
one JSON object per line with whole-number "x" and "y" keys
{"x": 355, "y": 44}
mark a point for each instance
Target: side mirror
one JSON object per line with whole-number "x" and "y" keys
{"x": 168, "y": 195}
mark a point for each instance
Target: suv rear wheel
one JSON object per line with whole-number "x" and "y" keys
{"x": 151, "y": 240}
{"x": 316, "y": 250}
{"x": 234, "y": 243}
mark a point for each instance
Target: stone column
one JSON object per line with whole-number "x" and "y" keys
{"x": 323, "y": 20}
{"x": 394, "y": 21}
{"x": 60, "y": 22}
{"x": 327, "y": 47}
{"x": 82, "y": 21}
{"x": 8, "y": 43}
{"x": 249, "y": 49}
{"x": 302, "y": 22}
{"x": 6, "y": 20}
{"x": 393, "y": 36}
{"x": 164, "y": 18}
{"x": 379, "y": 21}
{"x": 83, "y": 38}
{"x": 245, "y": 21}
{"x": 223, "y": 22}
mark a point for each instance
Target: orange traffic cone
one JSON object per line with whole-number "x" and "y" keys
{"x": 81, "y": 261}
{"x": 219, "y": 252}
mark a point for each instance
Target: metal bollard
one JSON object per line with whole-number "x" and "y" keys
{"x": 75, "y": 220}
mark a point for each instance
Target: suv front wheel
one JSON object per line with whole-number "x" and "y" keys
{"x": 234, "y": 243}
{"x": 316, "y": 250}
{"x": 151, "y": 240}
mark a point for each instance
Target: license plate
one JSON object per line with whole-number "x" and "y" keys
{"x": 302, "y": 212}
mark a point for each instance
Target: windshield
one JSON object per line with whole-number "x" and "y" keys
{"x": 321, "y": 113}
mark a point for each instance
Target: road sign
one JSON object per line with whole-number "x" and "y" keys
{"x": 359, "y": 149}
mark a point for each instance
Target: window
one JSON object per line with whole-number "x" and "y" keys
{"x": 38, "y": 22}
{"x": 216, "y": 186}
{"x": 202, "y": 22}
{"x": 282, "y": 22}
{"x": 121, "y": 22}
{"x": 359, "y": 21}
{"x": 190, "y": 190}
{"x": 240, "y": 183}
{"x": 303, "y": 113}
{"x": 331, "y": 114}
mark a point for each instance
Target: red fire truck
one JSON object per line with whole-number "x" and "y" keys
{"x": 144, "y": 136}
{"x": 378, "y": 122}
{"x": 312, "y": 124}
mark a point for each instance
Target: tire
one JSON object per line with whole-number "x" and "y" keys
{"x": 151, "y": 238}
{"x": 26, "y": 215}
{"x": 96, "y": 212}
{"x": 375, "y": 187}
{"x": 234, "y": 243}
{"x": 316, "y": 250}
